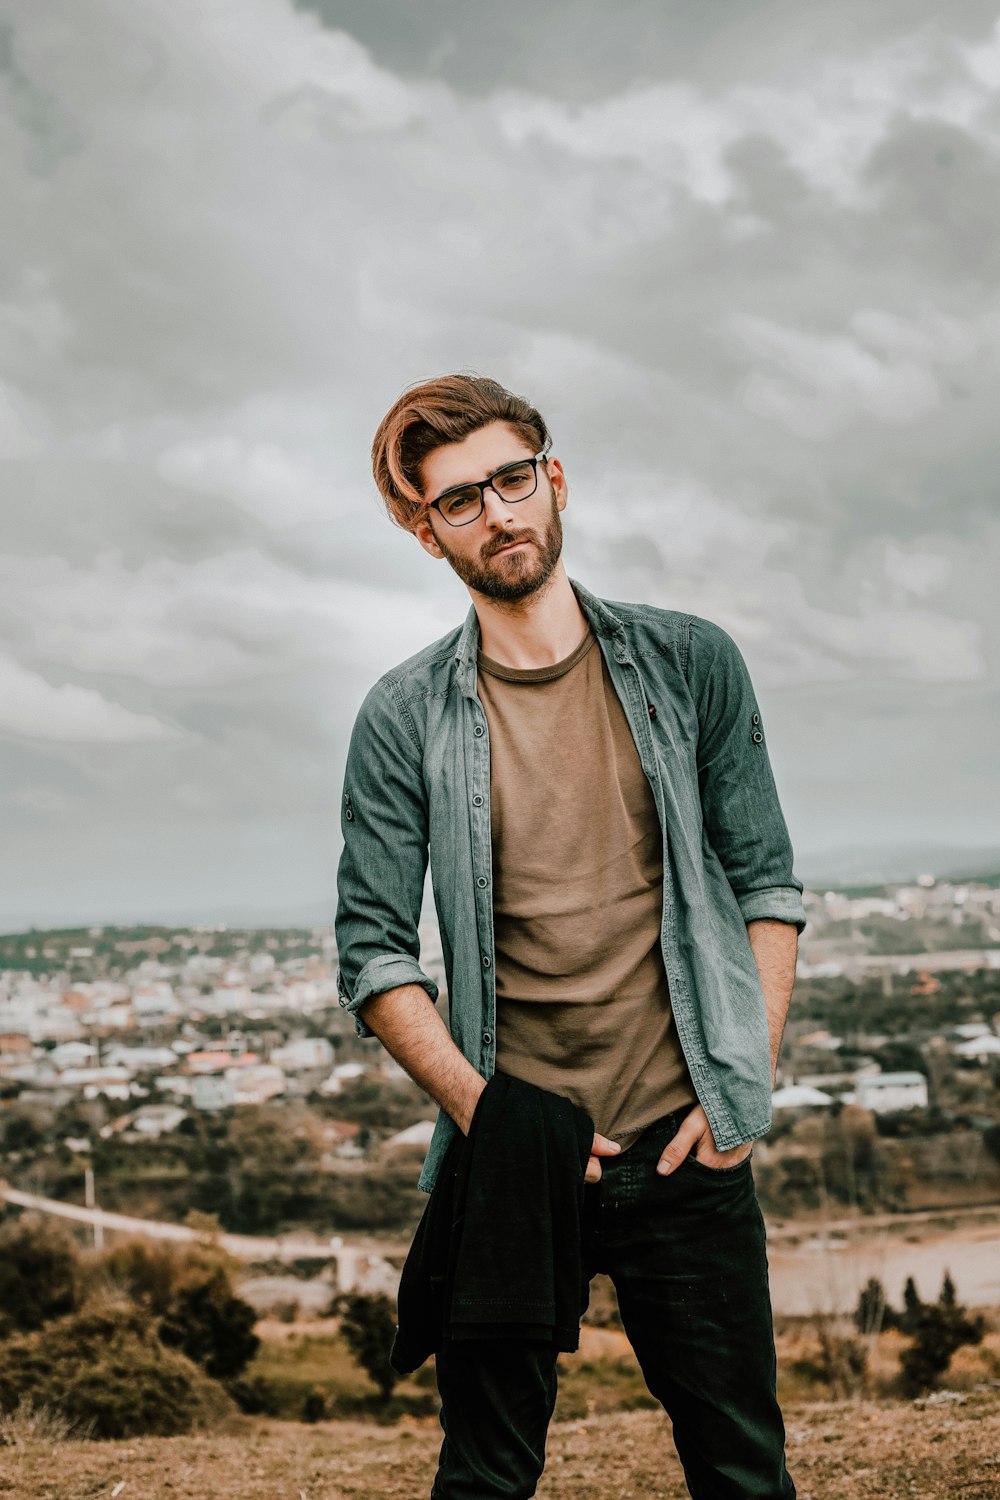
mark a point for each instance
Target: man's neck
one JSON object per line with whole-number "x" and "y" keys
{"x": 538, "y": 631}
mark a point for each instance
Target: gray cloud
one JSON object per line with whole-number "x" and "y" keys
{"x": 744, "y": 258}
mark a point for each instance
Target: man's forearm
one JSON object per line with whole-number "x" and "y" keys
{"x": 775, "y": 945}
{"x": 412, "y": 1031}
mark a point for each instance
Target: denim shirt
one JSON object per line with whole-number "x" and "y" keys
{"x": 417, "y": 784}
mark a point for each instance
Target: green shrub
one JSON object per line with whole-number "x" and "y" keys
{"x": 189, "y": 1290}
{"x": 255, "y": 1395}
{"x": 39, "y": 1274}
{"x": 940, "y": 1328}
{"x": 316, "y": 1406}
{"x": 105, "y": 1370}
{"x": 212, "y": 1327}
{"x": 874, "y": 1313}
{"x": 152, "y": 1272}
{"x": 368, "y": 1327}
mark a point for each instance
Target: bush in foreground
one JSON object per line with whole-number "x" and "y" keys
{"x": 104, "y": 1371}
{"x": 39, "y": 1275}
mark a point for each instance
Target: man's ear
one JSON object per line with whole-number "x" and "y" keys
{"x": 559, "y": 482}
{"x": 425, "y": 536}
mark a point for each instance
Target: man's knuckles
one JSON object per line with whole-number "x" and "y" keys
{"x": 672, "y": 1157}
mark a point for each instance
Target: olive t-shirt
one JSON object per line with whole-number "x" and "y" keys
{"x": 583, "y": 1003}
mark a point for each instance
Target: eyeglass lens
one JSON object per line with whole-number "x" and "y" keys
{"x": 513, "y": 483}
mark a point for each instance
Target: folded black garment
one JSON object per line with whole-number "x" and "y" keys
{"x": 496, "y": 1254}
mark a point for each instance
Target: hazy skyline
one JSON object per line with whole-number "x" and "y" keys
{"x": 744, "y": 258}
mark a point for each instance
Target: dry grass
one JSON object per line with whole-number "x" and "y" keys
{"x": 38, "y": 1424}
{"x": 934, "y": 1450}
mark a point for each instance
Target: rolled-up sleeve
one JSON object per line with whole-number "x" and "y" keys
{"x": 740, "y": 807}
{"x": 380, "y": 879}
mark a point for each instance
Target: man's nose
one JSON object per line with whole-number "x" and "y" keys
{"x": 496, "y": 511}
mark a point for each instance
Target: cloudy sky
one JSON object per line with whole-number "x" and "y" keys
{"x": 745, "y": 256}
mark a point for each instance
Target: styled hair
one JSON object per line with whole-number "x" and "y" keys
{"x": 435, "y": 412}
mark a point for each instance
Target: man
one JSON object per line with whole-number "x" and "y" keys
{"x": 619, "y": 917}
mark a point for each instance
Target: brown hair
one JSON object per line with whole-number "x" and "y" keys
{"x": 436, "y": 412}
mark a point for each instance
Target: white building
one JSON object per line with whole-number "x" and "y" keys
{"x": 418, "y": 1134}
{"x": 140, "y": 1059}
{"x": 211, "y": 1091}
{"x": 72, "y": 1055}
{"x": 116, "y": 1016}
{"x": 154, "y": 1001}
{"x": 800, "y": 1096}
{"x": 227, "y": 999}
{"x": 887, "y": 1092}
{"x": 303, "y": 1054}
{"x": 256, "y": 1085}
{"x": 342, "y": 1073}
{"x": 57, "y": 1023}
{"x": 979, "y": 1048}
{"x": 154, "y": 1120}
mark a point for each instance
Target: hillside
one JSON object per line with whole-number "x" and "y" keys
{"x": 936, "y": 1450}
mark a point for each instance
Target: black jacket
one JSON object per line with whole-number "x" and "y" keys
{"x": 497, "y": 1252}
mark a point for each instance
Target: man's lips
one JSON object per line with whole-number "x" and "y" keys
{"x": 521, "y": 542}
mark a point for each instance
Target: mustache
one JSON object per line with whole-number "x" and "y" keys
{"x": 505, "y": 539}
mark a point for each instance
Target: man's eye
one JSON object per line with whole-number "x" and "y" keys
{"x": 456, "y": 503}
{"x": 515, "y": 481}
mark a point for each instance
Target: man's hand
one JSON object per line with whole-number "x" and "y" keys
{"x": 601, "y": 1147}
{"x": 695, "y": 1134}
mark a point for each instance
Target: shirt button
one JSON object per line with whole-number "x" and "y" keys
{"x": 482, "y": 882}
{"x": 487, "y": 1038}
{"x": 479, "y": 731}
{"x": 757, "y": 736}
{"x": 756, "y": 718}
{"x": 477, "y": 801}
{"x": 486, "y": 960}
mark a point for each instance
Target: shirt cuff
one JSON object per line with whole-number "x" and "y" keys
{"x": 386, "y": 972}
{"x": 778, "y": 903}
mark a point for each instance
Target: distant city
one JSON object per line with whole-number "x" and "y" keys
{"x": 211, "y": 1017}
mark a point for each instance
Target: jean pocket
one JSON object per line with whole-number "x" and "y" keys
{"x": 719, "y": 1172}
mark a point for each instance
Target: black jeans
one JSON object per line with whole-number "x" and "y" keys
{"x": 687, "y": 1256}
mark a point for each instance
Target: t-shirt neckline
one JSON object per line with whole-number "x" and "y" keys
{"x": 537, "y": 674}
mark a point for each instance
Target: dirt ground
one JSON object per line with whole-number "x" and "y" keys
{"x": 947, "y": 1448}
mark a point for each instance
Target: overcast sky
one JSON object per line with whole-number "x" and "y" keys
{"x": 744, "y": 256}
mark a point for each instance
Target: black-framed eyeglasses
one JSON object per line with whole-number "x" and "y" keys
{"x": 512, "y": 483}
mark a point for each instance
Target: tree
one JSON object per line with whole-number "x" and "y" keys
{"x": 212, "y": 1326}
{"x": 941, "y": 1328}
{"x": 368, "y": 1326}
{"x": 873, "y": 1312}
{"x": 912, "y": 1307}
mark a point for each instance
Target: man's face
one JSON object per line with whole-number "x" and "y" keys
{"x": 511, "y": 550}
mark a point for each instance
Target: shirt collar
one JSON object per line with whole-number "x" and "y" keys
{"x": 603, "y": 621}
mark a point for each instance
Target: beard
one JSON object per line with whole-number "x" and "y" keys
{"x": 517, "y": 575}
